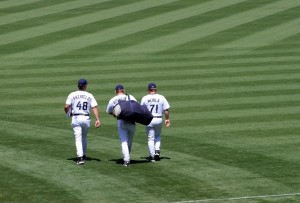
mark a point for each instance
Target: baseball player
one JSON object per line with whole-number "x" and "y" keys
{"x": 78, "y": 105}
{"x": 126, "y": 129}
{"x": 157, "y": 105}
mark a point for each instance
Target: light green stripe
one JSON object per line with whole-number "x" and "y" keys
{"x": 204, "y": 30}
{"x": 12, "y": 3}
{"x": 185, "y": 68}
{"x": 240, "y": 113}
{"x": 267, "y": 36}
{"x": 201, "y": 102}
{"x": 68, "y": 45}
{"x": 172, "y": 92}
{"x": 39, "y": 12}
{"x": 212, "y": 91}
{"x": 78, "y": 21}
{"x": 225, "y": 128}
{"x": 28, "y": 60}
{"x": 208, "y": 80}
{"x": 197, "y": 100}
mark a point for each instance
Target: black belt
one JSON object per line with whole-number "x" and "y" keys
{"x": 80, "y": 114}
{"x": 157, "y": 116}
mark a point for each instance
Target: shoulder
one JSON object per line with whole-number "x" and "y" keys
{"x": 144, "y": 97}
{"x": 132, "y": 97}
{"x": 161, "y": 96}
{"x": 112, "y": 99}
{"x": 71, "y": 94}
{"x": 89, "y": 94}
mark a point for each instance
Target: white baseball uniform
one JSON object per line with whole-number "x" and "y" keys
{"x": 81, "y": 102}
{"x": 126, "y": 129}
{"x": 156, "y": 104}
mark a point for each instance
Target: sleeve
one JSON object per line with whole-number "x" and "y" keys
{"x": 93, "y": 102}
{"x": 165, "y": 104}
{"x": 143, "y": 101}
{"x": 69, "y": 99}
{"x": 109, "y": 108}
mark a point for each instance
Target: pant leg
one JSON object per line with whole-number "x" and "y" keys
{"x": 78, "y": 140}
{"x": 123, "y": 135}
{"x": 85, "y": 130}
{"x": 157, "y": 138}
{"x": 151, "y": 134}
{"x": 131, "y": 131}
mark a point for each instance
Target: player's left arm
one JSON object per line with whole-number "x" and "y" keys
{"x": 167, "y": 118}
{"x": 96, "y": 113}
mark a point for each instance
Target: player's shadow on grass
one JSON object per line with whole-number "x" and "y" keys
{"x": 86, "y": 159}
{"x": 162, "y": 157}
{"x": 121, "y": 161}
{"x": 144, "y": 160}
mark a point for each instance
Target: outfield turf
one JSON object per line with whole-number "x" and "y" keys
{"x": 230, "y": 70}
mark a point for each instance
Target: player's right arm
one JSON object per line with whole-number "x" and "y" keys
{"x": 66, "y": 108}
{"x": 68, "y": 104}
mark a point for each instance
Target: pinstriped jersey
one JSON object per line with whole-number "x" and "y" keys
{"x": 81, "y": 102}
{"x": 155, "y": 103}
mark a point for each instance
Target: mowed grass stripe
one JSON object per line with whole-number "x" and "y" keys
{"x": 19, "y": 188}
{"x": 205, "y": 92}
{"x": 196, "y": 101}
{"x": 213, "y": 54}
{"x": 261, "y": 144}
{"x": 234, "y": 100}
{"x": 211, "y": 63}
{"x": 180, "y": 81}
{"x": 184, "y": 71}
{"x": 61, "y": 25}
{"x": 244, "y": 127}
{"x": 216, "y": 57}
{"x": 270, "y": 111}
{"x": 86, "y": 40}
{"x": 47, "y": 10}
{"x": 266, "y": 37}
{"x": 204, "y": 30}
{"x": 12, "y": 3}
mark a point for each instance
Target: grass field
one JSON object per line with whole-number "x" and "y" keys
{"x": 230, "y": 70}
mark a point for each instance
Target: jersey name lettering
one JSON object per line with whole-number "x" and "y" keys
{"x": 82, "y": 97}
{"x": 153, "y": 100}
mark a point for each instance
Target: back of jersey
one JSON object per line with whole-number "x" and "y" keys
{"x": 155, "y": 103}
{"x": 81, "y": 102}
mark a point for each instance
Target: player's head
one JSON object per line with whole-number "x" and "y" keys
{"x": 151, "y": 87}
{"x": 82, "y": 83}
{"x": 119, "y": 88}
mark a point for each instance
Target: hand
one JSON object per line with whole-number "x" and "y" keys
{"x": 97, "y": 123}
{"x": 167, "y": 122}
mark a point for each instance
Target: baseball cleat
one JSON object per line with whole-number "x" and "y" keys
{"x": 151, "y": 159}
{"x": 126, "y": 163}
{"x": 157, "y": 155}
{"x": 80, "y": 161}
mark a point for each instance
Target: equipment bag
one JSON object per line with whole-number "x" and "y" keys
{"x": 132, "y": 111}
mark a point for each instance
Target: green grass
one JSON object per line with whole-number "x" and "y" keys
{"x": 229, "y": 69}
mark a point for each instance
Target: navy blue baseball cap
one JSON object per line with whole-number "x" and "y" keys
{"x": 151, "y": 86}
{"x": 119, "y": 87}
{"x": 82, "y": 82}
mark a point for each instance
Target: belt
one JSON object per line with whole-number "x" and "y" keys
{"x": 157, "y": 116}
{"x": 80, "y": 114}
